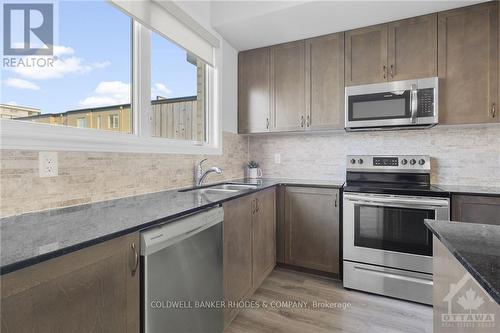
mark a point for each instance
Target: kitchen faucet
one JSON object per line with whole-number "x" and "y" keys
{"x": 200, "y": 175}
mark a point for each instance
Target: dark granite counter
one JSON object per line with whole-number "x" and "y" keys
{"x": 34, "y": 237}
{"x": 476, "y": 247}
{"x": 471, "y": 190}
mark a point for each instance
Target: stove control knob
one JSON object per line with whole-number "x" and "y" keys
{"x": 412, "y": 161}
{"x": 360, "y": 161}
{"x": 404, "y": 161}
{"x": 421, "y": 161}
{"x": 353, "y": 161}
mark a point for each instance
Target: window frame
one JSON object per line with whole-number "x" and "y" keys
{"x": 23, "y": 135}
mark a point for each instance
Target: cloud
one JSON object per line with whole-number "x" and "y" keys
{"x": 11, "y": 103}
{"x": 21, "y": 84}
{"x": 60, "y": 50}
{"x": 159, "y": 89}
{"x": 108, "y": 93}
{"x": 60, "y": 68}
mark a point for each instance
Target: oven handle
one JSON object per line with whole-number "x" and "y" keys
{"x": 413, "y": 203}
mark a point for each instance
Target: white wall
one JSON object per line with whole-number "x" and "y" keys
{"x": 227, "y": 66}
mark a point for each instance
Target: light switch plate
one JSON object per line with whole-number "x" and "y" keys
{"x": 277, "y": 158}
{"x": 47, "y": 164}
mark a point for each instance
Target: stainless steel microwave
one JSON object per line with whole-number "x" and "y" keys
{"x": 392, "y": 105}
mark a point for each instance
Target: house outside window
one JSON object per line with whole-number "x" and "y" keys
{"x": 113, "y": 121}
{"x": 81, "y": 122}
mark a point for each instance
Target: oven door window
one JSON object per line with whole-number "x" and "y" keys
{"x": 393, "y": 228}
{"x": 390, "y": 105}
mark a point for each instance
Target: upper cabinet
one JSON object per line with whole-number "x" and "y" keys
{"x": 468, "y": 64}
{"x": 288, "y": 86}
{"x": 399, "y": 50}
{"x": 325, "y": 82}
{"x": 412, "y": 49}
{"x": 254, "y": 80}
{"x": 366, "y": 55}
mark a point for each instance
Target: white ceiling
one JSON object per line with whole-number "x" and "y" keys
{"x": 251, "y": 24}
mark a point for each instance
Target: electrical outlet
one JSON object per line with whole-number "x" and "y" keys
{"x": 47, "y": 164}
{"x": 277, "y": 158}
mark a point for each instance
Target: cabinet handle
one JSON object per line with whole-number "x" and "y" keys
{"x": 302, "y": 121}
{"x": 392, "y": 71}
{"x": 256, "y": 205}
{"x": 308, "y": 122}
{"x": 384, "y": 71}
{"x": 267, "y": 123}
{"x": 253, "y": 206}
{"x": 136, "y": 259}
{"x": 335, "y": 200}
{"x": 493, "y": 110}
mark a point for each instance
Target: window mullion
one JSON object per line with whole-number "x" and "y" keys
{"x": 141, "y": 80}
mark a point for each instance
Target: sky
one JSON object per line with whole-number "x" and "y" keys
{"x": 93, "y": 66}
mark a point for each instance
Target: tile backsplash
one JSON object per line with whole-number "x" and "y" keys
{"x": 88, "y": 177}
{"x": 459, "y": 155}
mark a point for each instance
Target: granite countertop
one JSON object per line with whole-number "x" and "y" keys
{"x": 472, "y": 190}
{"x": 476, "y": 247}
{"x": 34, "y": 237}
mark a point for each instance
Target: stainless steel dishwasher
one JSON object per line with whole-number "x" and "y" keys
{"x": 182, "y": 275}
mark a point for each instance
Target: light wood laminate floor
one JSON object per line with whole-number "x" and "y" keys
{"x": 366, "y": 313}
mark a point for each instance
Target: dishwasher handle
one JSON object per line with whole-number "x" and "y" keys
{"x": 158, "y": 238}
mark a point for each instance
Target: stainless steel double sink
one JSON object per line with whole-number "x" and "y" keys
{"x": 222, "y": 188}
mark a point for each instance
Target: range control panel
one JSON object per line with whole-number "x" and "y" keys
{"x": 396, "y": 163}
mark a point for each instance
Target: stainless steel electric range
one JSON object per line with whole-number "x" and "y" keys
{"x": 387, "y": 247}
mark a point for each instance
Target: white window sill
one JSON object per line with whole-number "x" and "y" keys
{"x": 20, "y": 135}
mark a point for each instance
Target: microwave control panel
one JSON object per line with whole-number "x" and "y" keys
{"x": 425, "y": 102}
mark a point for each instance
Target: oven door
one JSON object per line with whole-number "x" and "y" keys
{"x": 389, "y": 230}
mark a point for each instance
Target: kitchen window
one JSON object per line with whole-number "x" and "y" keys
{"x": 143, "y": 78}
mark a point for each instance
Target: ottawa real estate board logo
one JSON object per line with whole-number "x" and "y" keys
{"x": 467, "y": 307}
{"x": 28, "y": 34}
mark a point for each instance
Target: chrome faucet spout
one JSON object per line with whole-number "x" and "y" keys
{"x": 200, "y": 175}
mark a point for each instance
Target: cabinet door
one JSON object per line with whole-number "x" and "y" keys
{"x": 288, "y": 82}
{"x": 412, "y": 48}
{"x": 95, "y": 289}
{"x": 263, "y": 233}
{"x": 312, "y": 228}
{"x": 476, "y": 209}
{"x": 237, "y": 251}
{"x": 366, "y": 55}
{"x": 254, "y": 91}
{"x": 325, "y": 82}
{"x": 467, "y": 64}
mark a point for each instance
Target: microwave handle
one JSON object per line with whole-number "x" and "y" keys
{"x": 413, "y": 103}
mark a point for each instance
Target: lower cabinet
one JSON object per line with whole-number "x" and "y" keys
{"x": 311, "y": 228}
{"x": 475, "y": 209}
{"x": 95, "y": 289}
{"x": 249, "y": 245}
{"x": 451, "y": 282}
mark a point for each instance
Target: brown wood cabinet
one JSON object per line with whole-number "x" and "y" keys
{"x": 325, "y": 82}
{"x": 412, "y": 49}
{"x": 263, "y": 235}
{"x": 366, "y": 55}
{"x": 288, "y": 86}
{"x": 249, "y": 245}
{"x": 254, "y": 87}
{"x": 237, "y": 251}
{"x": 468, "y": 64}
{"x": 311, "y": 226}
{"x": 400, "y": 50}
{"x": 475, "y": 209}
{"x": 95, "y": 289}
